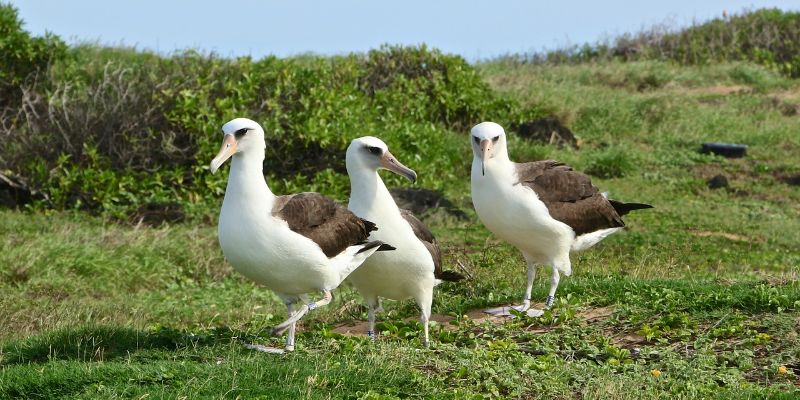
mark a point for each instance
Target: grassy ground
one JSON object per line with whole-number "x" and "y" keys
{"x": 697, "y": 298}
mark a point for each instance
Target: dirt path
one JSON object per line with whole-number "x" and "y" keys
{"x": 589, "y": 315}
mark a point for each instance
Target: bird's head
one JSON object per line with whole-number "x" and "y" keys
{"x": 488, "y": 142}
{"x": 371, "y": 153}
{"x": 239, "y": 136}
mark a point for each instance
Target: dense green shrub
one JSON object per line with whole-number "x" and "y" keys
{"x": 110, "y": 129}
{"x": 21, "y": 55}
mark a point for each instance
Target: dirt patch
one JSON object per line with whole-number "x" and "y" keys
{"x": 628, "y": 340}
{"x": 730, "y": 236}
{"x": 596, "y": 314}
{"x": 787, "y": 95}
{"x": 719, "y": 90}
{"x": 355, "y": 328}
{"x": 588, "y": 315}
{"x": 786, "y": 108}
{"x": 742, "y": 173}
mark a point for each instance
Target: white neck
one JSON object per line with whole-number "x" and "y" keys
{"x": 368, "y": 194}
{"x": 246, "y": 185}
{"x": 498, "y": 169}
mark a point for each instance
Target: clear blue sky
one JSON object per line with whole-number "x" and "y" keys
{"x": 474, "y": 29}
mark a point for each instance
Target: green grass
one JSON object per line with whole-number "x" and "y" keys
{"x": 703, "y": 288}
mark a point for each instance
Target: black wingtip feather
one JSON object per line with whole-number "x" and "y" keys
{"x": 624, "y": 208}
{"x": 373, "y": 244}
{"x": 369, "y": 225}
{"x": 450, "y": 276}
{"x": 386, "y": 247}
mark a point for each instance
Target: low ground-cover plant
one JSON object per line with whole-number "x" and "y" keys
{"x": 766, "y": 36}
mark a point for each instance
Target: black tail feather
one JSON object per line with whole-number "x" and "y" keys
{"x": 624, "y": 208}
{"x": 386, "y": 247}
{"x": 450, "y": 276}
{"x": 373, "y": 244}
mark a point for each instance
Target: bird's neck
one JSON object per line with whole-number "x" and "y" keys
{"x": 246, "y": 184}
{"x": 498, "y": 169}
{"x": 368, "y": 194}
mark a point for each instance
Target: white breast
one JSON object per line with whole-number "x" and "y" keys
{"x": 265, "y": 250}
{"x": 398, "y": 274}
{"x": 515, "y": 214}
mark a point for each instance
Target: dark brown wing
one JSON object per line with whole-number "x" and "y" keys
{"x": 330, "y": 225}
{"x": 426, "y": 237}
{"x": 569, "y": 196}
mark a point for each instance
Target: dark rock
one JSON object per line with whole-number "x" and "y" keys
{"x": 15, "y": 192}
{"x": 155, "y": 214}
{"x": 717, "y": 182}
{"x": 728, "y": 150}
{"x": 421, "y": 200}
{"x": 793, "y": 180}
{"x": 547, "y": 130}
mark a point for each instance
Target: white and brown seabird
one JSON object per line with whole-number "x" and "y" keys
{"x": 415, "y": 266}
{"x": 295, "y": 244}
{"x": 543, "y": 208}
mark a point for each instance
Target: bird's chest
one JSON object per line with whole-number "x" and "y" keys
{"x": 395, "y": 230}
{"x": 513, "y": 212}
{"x": 503, "y": 203}
{"x": 261, "y": 249}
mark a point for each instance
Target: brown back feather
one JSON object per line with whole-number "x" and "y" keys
{"x": 425, "y": 236}
{"x": 331, "y": 226}
{"x": 569, "y": 196}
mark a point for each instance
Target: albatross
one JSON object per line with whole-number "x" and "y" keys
{"x": 294, "y": 244}
{"x": 415, "y": 267}
{"x": 544, "y": 208}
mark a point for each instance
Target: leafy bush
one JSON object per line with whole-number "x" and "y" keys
{"x": 110, "y": 129}
{"x": 21, "y": 55}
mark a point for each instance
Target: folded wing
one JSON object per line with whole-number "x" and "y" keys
{"x": 331, "y": 226}
{"x": 569, "y": 196}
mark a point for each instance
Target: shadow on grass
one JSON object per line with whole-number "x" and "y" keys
{"x": 168, "y": 363}
{"x": 103, "y": 343}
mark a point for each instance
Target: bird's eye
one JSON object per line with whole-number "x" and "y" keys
{"x": 375, "y": 150}
{"x": 495, "y": 139}
{"x": 239, "y": 133}
{"x": 477, "y": 141}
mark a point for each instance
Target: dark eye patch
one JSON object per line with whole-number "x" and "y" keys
{"x": 475, "y": 138}
{"x": 375, "y": 150}
{"x": 495, "y": 139}
{"x": 240, "y": 132}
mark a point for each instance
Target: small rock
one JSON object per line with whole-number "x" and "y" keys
{"x": 547, "y": 130}
{"x": 717, "y": 182}
{"x": 419, "y": 201}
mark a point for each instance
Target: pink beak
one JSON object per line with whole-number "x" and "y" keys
{"x": 486, "y": 146}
